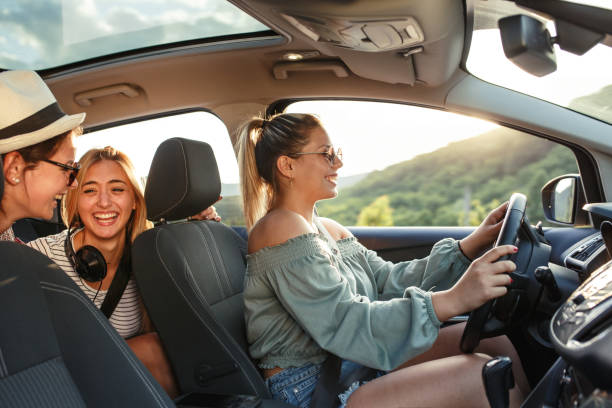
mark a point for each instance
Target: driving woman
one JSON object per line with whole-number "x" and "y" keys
{"x": 311, "y": 289}
{"x": 37, "y": 148}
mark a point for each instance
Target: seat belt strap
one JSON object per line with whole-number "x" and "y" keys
{"x": 119, "y": 283}
{"x": 362, "y": 374}
{"x": 325, "y": 394}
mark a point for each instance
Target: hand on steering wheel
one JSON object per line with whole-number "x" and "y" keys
{"x": 487, "y": 278}
{"x": 507, "y": 236}
{"x": 483, "y": 237}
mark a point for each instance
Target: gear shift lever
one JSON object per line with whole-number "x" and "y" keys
{"x": 498, "y": 379}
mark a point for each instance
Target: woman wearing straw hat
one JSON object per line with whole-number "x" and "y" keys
{"x": 36, "y": 147}
{"x": 37, "y": 151}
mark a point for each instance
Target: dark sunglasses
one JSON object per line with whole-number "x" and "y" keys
{"x": 330, "y": 154}
{"x": 74, "y": 170}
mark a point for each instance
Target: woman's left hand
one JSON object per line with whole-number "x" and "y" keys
{"x": 208, "y": 214}
{"x": 483, "y": 237}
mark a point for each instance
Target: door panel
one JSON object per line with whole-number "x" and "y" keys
{"x": 398, "y": 244}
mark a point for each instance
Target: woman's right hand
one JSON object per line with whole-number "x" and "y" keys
{"x": 485, "y": 279}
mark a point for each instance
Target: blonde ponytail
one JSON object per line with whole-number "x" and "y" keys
{"x": 260, "y": 143}
{"x": 254, "y": 189}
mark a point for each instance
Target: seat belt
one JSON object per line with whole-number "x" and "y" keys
{"x": 362, "y": 374}
{"x": 325, "y": 394}
{"x": 119, "y": 283}
{"x": 328, "y": 387}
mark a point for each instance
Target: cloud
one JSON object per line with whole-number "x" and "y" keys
{"x": 33, "y": 31}
{"x": 51, "y": 33}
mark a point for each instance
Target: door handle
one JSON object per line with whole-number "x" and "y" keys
{"x": 281, "y": 70}
{"x": 85, "y": 98}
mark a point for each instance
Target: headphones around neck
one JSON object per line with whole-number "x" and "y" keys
{"x": 88, "y": 261}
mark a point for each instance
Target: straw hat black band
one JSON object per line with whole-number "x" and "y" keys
{"x": 38, "y": 120}
{"x": 30, "y": 113}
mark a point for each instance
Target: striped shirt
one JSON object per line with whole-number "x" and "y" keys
{"x": 7, "y": 235}
{"x": 127, "y": 316}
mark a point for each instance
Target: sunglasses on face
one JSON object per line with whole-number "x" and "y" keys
{"x": 330, "y": 154}
{"x": 74, "y": 169}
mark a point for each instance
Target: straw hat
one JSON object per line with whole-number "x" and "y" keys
{"x": 29, "y": 113}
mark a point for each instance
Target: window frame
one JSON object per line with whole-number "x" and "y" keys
{"x": 587, "y": 166}
{"x": 159, "y": 115}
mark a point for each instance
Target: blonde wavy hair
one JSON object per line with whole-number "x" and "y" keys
{"x": 138, "y": 221}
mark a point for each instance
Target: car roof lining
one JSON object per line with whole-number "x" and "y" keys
{"x": 212, "y": 77}
{"x": 236, "y": 83}
{"x": 215, "y": 80}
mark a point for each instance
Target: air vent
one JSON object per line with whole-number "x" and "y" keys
{"x": 584, "y": 251}
{"x": 587, "y": 257}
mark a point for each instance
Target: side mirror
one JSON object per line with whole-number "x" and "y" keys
{"x": 563, "y": 199}
{"x": 527, "y": 43}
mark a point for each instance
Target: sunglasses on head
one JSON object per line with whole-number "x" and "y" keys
{"x": 74, "y": 169}
{"x": 331, "y": 154}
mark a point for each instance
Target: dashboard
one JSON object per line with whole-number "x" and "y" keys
{"x": 580, "y": 331}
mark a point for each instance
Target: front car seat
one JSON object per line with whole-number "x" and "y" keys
{"x": 190, "y": 274}
{"x": 56, "y": 348}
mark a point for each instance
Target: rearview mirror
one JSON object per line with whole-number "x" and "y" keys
{"x": 527, "y": 43}
{"x": 562, "y": 199}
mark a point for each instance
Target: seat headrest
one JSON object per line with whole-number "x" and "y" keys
{"x": 183, "y": 180}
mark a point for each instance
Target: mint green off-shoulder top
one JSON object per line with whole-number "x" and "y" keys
{"x": 309, "y": 296}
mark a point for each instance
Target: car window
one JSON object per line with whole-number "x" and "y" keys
{"x": 414, "y": 166}
{"x": 586, "y": 78}
{"x": 139, "y": 141}
{"x": 50, "y": 33}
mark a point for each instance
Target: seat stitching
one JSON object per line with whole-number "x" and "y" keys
{"x": 192, "y": 281}
{"x": 188, "y": 275}
{"x": 206, "y": 229}
{"x": 204, "y": 322}
{"x": 3, "y": 368}
{"x": 122, "y": 346}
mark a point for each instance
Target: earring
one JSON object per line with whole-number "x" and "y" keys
{"x": 291, "y": 182}
{"x": 16, "y": 180}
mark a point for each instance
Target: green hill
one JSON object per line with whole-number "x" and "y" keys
{"x": 458, "y": 184}
{"x": 454, "y": 185}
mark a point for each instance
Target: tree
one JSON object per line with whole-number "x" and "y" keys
{"x": 378, "y": 213}
{"x": 479, "y": 211}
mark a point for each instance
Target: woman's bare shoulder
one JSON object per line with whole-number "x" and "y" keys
{"x": 335, "y": 229}
{"x": 277, "y": 227}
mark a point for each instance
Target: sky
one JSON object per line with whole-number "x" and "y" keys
{"x": 38, "y": 34}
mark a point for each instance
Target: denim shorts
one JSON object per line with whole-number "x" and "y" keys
{"x": 295, "y": 385}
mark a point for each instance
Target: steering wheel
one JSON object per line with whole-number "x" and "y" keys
{"x": 482, "y": 322}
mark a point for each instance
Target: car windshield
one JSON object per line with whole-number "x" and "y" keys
{"x": 42, "y": 34}
{"x": 581, "y": 83}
